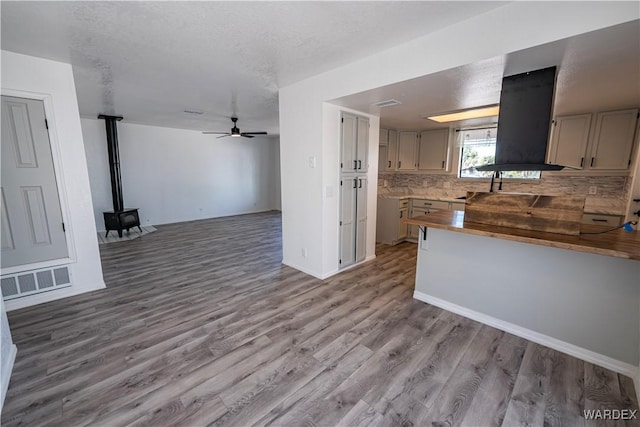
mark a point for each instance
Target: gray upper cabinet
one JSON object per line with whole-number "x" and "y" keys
{"x": 613, "y": 139}
{"x": 355, "y": 144}
{"x": 407, "y": 145}
{"x": 569, "y": 140}
{"x": 432, "y": 149}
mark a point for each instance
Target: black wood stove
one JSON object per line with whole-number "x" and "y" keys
{"x": 120, "y": 218}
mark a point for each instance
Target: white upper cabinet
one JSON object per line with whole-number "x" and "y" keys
{"x": 569, "y": 140}
{"x": 392, "y": 150}
{"x": 355, "y": 144}
{"x": 348, "y": 161}
{"x": 407, "y": 145}
{"x": 383, "y": 158}
{"x": 362, "y": 149}
{"x": 613, "y": 139}
{"x": 432, "y": 149}
{"x": 576, "y": 142}
{"x": 384, "y": 137}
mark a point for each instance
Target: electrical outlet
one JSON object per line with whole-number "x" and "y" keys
{"x": 593, "y": 190}
{"x": 304, "y": 252}
{"x": 312, "y": 162}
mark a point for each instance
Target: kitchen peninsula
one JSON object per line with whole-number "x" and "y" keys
{"x": 577, "y": 294}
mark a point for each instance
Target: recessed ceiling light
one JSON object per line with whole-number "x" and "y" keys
{"x": 470, "y": 113}
{"x": 387, "y": 103}
{"x": 192, "y": 111}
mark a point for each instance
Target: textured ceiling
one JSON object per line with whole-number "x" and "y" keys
{"x": 149, "y": 61}
{"x": 597, "y": 71}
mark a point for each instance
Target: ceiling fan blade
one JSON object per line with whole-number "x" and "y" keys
{"x": 223, "y": 136}
{"x": 254, "y": 133}
{"x": 215, "y": 133}
{"x": 246, "y": 136}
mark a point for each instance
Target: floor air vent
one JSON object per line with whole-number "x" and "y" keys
{"x": 33, "y": 282}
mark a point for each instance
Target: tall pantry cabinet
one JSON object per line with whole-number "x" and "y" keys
{"x": 354, "y": 163}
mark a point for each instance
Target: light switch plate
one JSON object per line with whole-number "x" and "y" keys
{"x": 312, "y": 162}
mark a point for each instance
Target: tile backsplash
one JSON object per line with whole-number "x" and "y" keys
{"x": 616, "y": 187}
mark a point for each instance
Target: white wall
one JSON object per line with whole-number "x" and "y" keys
{"x": 52, "y": 81}
{"x": 305, "y": 130}
{"x": 175, "y": 175}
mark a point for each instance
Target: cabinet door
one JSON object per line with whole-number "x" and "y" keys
{"x": 361, "y": 217}
{"x": 407, "y": 151}
{"x": 348, "y": 161}
{"x": 569, "y": 140}
{"x": 362, "y": 146}
{"x": 392, "y": 151}
{"x": 348, "y": 195}
{"x": 432, "y": 149}
{"x": 613, "y": 139}
{"x": 382, "y": 158}
{"x": 403, "y": 229}
{"x": 414, "y": 231}
{"x": 384, "y": 137}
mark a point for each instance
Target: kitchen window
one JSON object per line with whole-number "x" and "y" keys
{"x": 477, "y": 148}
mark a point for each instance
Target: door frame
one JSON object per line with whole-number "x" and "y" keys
{"x": 56, "y": 154}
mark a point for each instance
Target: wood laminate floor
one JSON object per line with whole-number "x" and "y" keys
{"x": 201, "y": 324}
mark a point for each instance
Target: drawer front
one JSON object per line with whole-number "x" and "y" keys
{"x": 419, "y": 212}
{"x": 403, "y": 203}
{"x": 430, "y": 204}
{"x": 608, "y": 220}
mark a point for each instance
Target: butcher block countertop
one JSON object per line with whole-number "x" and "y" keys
{"x": 617, "y": 243}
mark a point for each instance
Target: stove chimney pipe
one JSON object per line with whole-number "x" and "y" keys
{"x": 114, "y": 160}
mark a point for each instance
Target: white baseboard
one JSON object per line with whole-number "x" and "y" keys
{"x": 6, "y": 373}
{"x": 331, "y": 273}
{"x": 554, "y": 343}
{"x": 52, "y": 295}
{"x": 303, "y": 269}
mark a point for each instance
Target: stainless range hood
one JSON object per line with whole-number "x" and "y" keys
{"x": 526, "y": 104}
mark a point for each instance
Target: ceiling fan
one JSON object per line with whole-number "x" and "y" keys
{"x": 235, "y": 132}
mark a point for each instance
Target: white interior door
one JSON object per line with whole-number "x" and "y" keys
{"x": 348, "y": 195}
{"x": 32, "y": 228}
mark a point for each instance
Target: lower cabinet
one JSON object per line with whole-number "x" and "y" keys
{"x": 353, "y": 220}
{"x": 414, "y": 232}
{"x": 390, "y": 227}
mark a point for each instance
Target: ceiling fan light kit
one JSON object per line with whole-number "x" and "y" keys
{"x": 235, "y": 132}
